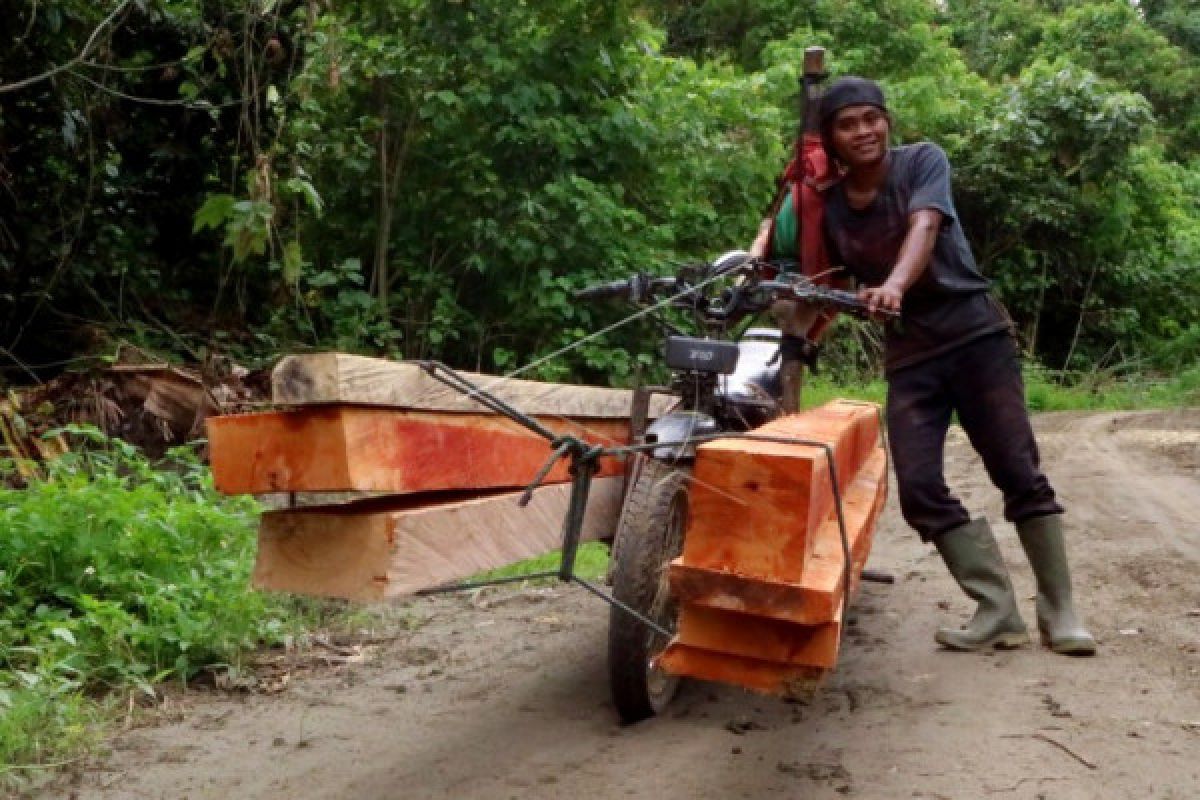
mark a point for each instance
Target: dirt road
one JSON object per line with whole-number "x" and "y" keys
{"x": 505, "y": 696}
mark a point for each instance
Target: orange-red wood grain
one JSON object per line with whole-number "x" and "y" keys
{"x": 349, "y": 448}
{"x": 760, "y": 584}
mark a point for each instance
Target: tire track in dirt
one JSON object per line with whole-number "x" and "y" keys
{"x": 1114, "y": 480}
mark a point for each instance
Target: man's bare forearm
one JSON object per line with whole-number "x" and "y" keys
{"x": 911, "y": 262}
{"x": 917, "y": 249}
{"x": 759, "y": 248}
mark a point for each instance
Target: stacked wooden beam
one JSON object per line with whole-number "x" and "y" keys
{"x": 761, "y": 581}
{"x": 438, "y": 472}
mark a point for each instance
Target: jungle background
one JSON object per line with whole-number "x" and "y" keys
{"x": 204, "y": 181}
{"x": 432, "y": 179}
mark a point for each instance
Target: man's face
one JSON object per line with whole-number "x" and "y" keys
{"x": 860, "y": 135}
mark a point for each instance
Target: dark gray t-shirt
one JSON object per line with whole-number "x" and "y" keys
{"x": 949, "y": 304}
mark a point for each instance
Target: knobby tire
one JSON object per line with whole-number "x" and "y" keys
{"x": 650, "y": 535}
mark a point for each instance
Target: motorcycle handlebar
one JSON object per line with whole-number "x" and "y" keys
{"x": 604, "y": 290}
{"x": 839, "y": 299}
{"x": 739, "y": 300}
{"x": 635, "y": 289}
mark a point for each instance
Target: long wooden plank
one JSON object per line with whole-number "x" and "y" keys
{"x": 756, "y": 505}
{"x": 378, "y": 554}
{"x": 751, "y": 673}
{"x": 326, "y": 378}
{"x": 816, "y": 597}
{"x": 761, "y": 581}
{"x": 760, "y": 637}
{"x": 347, "y": 448}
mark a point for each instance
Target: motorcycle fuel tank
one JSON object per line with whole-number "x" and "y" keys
{"x": 754, "y": 386}
{"x": 675, "y": 431}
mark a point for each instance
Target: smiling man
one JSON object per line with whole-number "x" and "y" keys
{"x": 891, "y": 222}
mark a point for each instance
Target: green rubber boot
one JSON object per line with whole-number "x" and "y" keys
{"x": 1061, "y": 630}
{"x": 971, "y": 554}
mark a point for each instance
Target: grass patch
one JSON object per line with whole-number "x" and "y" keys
{"x": 1046, "y": 390}
{"x": 116, "y": 575}
{"x": 591, "y": 562}
{"x": 819, "y": 389}
{"x": 1053, "y": 391}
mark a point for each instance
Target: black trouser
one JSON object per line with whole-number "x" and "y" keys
{"x": 981, "y": 381}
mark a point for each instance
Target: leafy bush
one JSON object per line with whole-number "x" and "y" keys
{"x": 115, "y": 574}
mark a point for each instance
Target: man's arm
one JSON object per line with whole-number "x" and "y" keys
{"x": 759, "y": 248}
{"x": 912, "y": 260}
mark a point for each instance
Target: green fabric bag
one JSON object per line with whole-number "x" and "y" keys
{"x": 784, "y": 243}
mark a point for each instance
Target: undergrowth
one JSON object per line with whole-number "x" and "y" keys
{"x": 1047, "y": 390}
{"x": 591, "y": 562}
{"x": 116, "y": 575}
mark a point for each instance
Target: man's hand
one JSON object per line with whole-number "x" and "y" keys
{"x": 882, "y": 298}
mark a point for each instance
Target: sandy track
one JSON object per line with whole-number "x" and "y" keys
{"x": 511, "y": 701}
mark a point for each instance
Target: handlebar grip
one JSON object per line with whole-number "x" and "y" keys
{"x": 850, "y": 302}
{"x": 603, "y": 290}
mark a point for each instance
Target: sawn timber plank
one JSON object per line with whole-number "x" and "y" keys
{"x": 351, "y": 448}
{"x": 326, "y": 378}
{"x": 761, "y": 582}
{"x": 817, "y": 596}
{"x": 751, "y": 673}
{"x": 760, "y": 638}
{"x": 756, "y": 505}
{"x": 378, "y": 554}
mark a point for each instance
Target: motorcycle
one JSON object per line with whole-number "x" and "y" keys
{"x": 724, "y": 383}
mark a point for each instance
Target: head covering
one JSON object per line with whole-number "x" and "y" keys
{"x": 843, "y": 93}
{"x": 850, "y": 91}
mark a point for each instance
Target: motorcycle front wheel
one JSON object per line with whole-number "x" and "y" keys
{"x": 649, "y": 536}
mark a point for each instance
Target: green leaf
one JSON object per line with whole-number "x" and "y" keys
{"x": 214, "y": 213}
{"x": 293, "y": 262}
{"x": 64, "y": 634}
{"x": 304, "y": 187}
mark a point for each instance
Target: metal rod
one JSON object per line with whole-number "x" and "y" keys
{"x": 462, "y": 587}
{"x": 558, "y": 453}
{"x": 875, "y": 576}
{"x": 846, "y": 566}
{"x": 810, "y": 99}
{"x": 456, "y": 381}
{"x": 615, "y": 603}
{"x": 581, "y": 482}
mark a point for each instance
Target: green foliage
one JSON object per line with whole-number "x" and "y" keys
{"x": 820, "y": 389}
{"x": 512, "y": 175}
{"x": 117, "y": 575}
{"x": 1102, "y": 390}
{"x": 1111, "y": 39}
{"x": 432, "y": 179}
{"x": 1068, "y": 205}
{"x": 591, "y": 562}
{"x": 1047, "y": 390}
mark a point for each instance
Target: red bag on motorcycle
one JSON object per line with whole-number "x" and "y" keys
{"x": 801, "y": 208}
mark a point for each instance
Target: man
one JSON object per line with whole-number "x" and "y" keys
{"x": 891, "y": 222}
